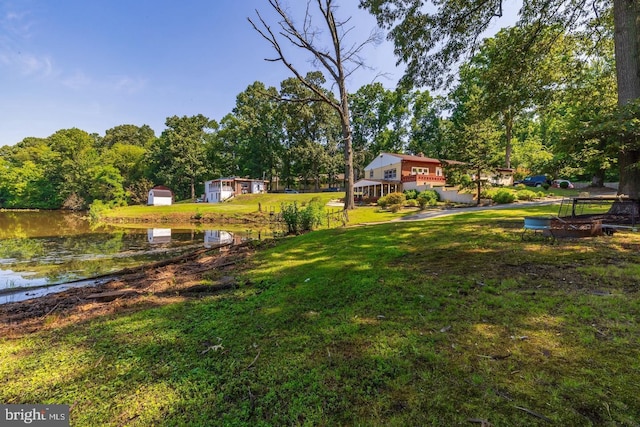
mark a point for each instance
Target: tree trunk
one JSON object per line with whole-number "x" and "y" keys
{"x": 597, "y": 180}
{"x": 508, "y": 131}
{"x": 479, "y": 183}
{"x": 626, "y": 14}
{"x": 348, "y": 164}
{"x": 345, "y": 119}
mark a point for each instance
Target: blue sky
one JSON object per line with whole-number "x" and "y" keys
{"x": 96, "y": 64}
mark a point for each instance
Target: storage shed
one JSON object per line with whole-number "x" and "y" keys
{"x": 160, "y": 196}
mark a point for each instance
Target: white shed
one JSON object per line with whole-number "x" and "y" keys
{"x": 160, "y": 197}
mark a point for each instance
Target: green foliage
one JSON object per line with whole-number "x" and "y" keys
{"x": 411, "y": 203}
{"x": 391, "y": 199}
{"x": 410, "y": 194}
{"x": 564, "y": 184}
{"x": 312, "y": 215}
{"x": 97, "y": 208}
{"x": 396, "y": 207}
{"x": 504, "y": 195}
{"x": 302, "y": 219}
{"x": 138, "y": 191}
{"x": 178, "y": 157}
{"x": 428, "y": 198}
{"x": 526, "y": 195}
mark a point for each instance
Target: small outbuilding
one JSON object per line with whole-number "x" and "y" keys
{"x": 160, "y": 196}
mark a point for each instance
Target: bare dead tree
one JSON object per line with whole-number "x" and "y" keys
{"x": 339, "y": 60}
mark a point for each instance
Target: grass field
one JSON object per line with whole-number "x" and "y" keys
{"x": 451, "y": 321}
{"x": 246, "y": 209}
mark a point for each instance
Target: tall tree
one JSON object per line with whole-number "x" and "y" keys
{"x": 312, "y": 129}
{"x": 260, "y": 125}
{"x": 426, "y": 126}
{"x": 77, "y": 156}
{"x": 339, "y": 61}
{"x": 432, "y": 36}
{"x": 475, "y": 137}
{"x": 380, "y": 121}
{"x": 179, "y": 154}
{"x": 139, "y": 136}
{"x": 518, "y": 73}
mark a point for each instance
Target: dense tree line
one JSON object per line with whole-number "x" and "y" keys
{"x": 547, "y": 108}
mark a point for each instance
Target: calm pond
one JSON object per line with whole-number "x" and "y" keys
{"x": 41, "y": 249}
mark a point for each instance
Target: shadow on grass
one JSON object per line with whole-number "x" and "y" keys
{"x": 399, "y": 324}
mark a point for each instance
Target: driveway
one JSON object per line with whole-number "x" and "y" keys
{"x": 454, "y": 211}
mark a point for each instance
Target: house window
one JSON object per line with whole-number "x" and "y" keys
{"x": 390, "y": 174}
{"x": 371, "y": 173}
{"x": 419, "y": 171}
{"x": 438, "y": 171}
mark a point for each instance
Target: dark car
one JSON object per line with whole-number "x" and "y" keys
{"x": 534, "y": 181}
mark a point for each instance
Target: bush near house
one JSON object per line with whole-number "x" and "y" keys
{"x": 392, "y": 199}
{"x": 410, "y": 194}
{"x": 503, "y": 196}
{"x": 526, "y": 195}
{"x": 428, "y": 198}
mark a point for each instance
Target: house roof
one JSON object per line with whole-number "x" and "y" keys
{"x": 161, "y": 193}
{"x": 414, "y": 158}
{"x": 236, "y": 178}
{"x": 372, "y": 182}
{"x": 422, "y": 158}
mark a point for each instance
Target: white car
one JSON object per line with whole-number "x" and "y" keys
{"x": 558, "y": 183}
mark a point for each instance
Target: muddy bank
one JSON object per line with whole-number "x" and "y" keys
{"x": 203, "y": 272}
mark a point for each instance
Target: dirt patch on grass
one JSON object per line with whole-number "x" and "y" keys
{"x": 204, "y": 272}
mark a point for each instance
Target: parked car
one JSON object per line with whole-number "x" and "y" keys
{"x": 534, "y": 181}
{"x": 559, "y": 183}
{"x": 290, "y": 191}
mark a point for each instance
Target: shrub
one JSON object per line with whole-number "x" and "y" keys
{"x": 503, "y": 196}
{"x": 428, "y": 198}
{"x": 564, "y": 184}
{"x": 396, "y": 198}
{"x": 291, "y": 217}
{"x": 488, "y": 193}
{"x": 545, "y": 186}
{"x": 311, "y": 216}
{"x": 410, "y": 194}
{"x": 391, "y": 199}
{"x": 411, "y": 203}
{"x": 526, "y": 195}
{"x": 520, "y": 187}
{"x": 300, "y": 220}
{"x": 96, "y": 209}
{"x": 383, "y": 202}
{"x": 397, "y": 207}
{"x": 74, "y": 202}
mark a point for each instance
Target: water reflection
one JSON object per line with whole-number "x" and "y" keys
{"x": 159, "y": 235}
{"x": 49, "y": 248}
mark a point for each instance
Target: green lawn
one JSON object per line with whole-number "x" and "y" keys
{"x": 245, "y": 208}
{"x": 402, "y": 324}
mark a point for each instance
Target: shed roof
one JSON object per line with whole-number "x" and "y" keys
{"x": 161, "y": 193}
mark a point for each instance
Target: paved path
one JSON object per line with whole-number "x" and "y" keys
{"x": 454, "y": 211}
